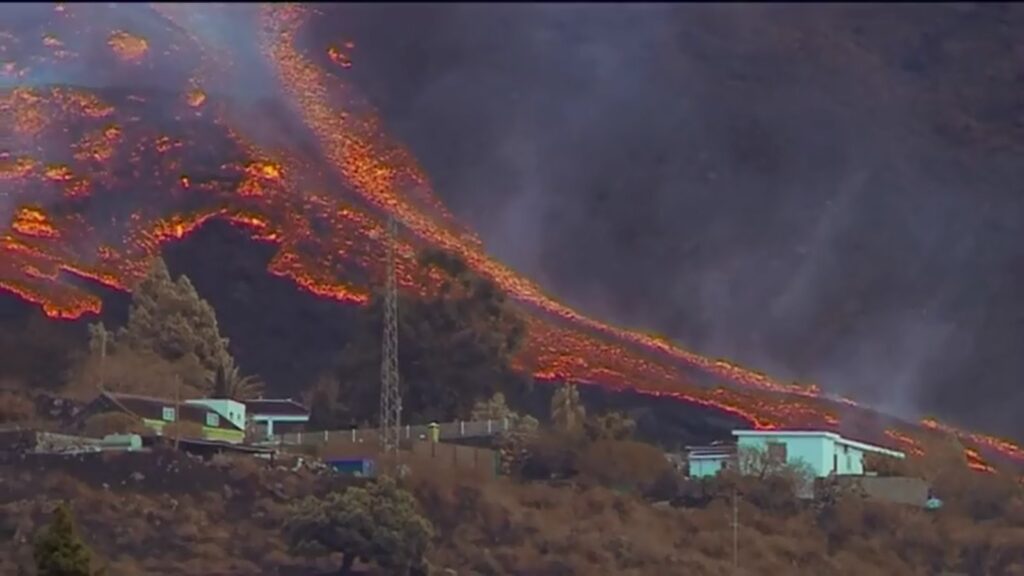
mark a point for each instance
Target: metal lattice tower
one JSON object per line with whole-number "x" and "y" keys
{"x": 390, "y": 396}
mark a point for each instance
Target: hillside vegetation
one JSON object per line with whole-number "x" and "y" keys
{"x": 582, "y": 492}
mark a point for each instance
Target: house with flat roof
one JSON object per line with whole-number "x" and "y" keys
{"x": 825, "y": 453}
{"x": 275, "y": 416}
{"x": 157, "y": 413}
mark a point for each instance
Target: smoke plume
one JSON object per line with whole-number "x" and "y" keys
{"x": 822, "y": 193}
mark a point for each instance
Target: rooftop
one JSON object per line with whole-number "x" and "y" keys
{"x": 821, "y": 434}
{"x": 275, "y": 407}
{"x": 151, "y": 408}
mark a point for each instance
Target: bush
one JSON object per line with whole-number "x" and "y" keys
{"x": 623, "y": 464}
{"x": 15, "y": 408}
{"x": 551, "y": 455}
{"x": 379, "y": 523}
{"x": 58, "y": 551}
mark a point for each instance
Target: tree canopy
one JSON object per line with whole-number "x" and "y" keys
{"x": 171, "y": 338}
{"x": 456, "y": 346}
{"x": 169, "y": 318}
{"x": 378, "y": 523}
{"x": 58, "y": 551}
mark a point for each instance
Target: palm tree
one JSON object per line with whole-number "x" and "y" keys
{"x": 567, "y": 411}
{"x": 228, "y": 382}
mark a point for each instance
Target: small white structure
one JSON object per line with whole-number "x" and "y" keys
{"x": 265, "y": 413}
{"x": 706, "y": 461}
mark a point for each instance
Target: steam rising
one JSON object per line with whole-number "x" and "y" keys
{"x": 801, "y": 189}
{"x": 757, "y": 184}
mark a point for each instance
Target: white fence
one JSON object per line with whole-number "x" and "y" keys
{"x": 447, "y": 431}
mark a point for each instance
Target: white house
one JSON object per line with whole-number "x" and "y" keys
{"x": 825, "y": 453}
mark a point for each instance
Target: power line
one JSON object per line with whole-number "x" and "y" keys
{"x": 390, "y": 395}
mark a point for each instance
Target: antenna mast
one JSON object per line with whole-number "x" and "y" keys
{"x": 390, "y": 396}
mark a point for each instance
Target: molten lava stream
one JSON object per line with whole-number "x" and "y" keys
{"x": 353, "y": 141}
{"x": 321, "y": 238}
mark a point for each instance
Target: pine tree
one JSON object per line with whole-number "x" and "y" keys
{"x": 58, "y": 551}
{"x": 168, "y": 318}
{"x": 170, "y": 345}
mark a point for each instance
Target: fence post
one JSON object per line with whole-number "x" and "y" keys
{"x": 325, "y": 436}
{"x": 488, "y": 426}
{"x": 353, "y": 435}
{"x": 462, "y": 428}
{"x": 299, "y": 441}
{"x": 408, "y": 431}
{"x": 504, "y": 424}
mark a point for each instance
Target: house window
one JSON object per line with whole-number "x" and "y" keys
{"x": 168, "y": 414}
{"x": 777, "y": 452}
{"x": 212, "y": 420}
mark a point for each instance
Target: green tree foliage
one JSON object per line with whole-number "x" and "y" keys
{"x": 58, "y": 551}
{"x": 456, "y": 346}
{"x": 378, "y": 523}
{"x": 171, "y": 338}
{"x": 228, "y": 382}
{"x": 513, "y": 443}
{"x": 567, "y": 411}
{"x": 169, "y": 318}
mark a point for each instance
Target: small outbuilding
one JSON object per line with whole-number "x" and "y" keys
{"x": 705, "y": 461}
{"x": 275, "y": 416}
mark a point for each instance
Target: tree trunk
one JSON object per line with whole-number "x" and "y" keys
{"x": 346, "y": 564}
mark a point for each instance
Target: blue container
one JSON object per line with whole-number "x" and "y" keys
{"x": 355, "y": 467}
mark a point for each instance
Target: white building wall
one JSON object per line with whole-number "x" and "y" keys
{"x": 815, "y": 451}
{"x": 230, "y": 410}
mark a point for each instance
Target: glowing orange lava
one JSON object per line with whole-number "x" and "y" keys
{"x": 153, "y": 183}
{"x": 127, "y": 46}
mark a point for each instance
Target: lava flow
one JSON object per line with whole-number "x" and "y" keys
{"x": 93, "y": 181}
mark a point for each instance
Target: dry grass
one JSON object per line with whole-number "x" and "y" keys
{"x": 226, "y": 518}
{"x": 509, "y": 527}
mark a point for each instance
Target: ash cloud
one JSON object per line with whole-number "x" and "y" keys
{"x": 803, "y": 190}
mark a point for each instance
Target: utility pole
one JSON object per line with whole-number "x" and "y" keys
{"x": 735, "y": 533}
{"x": 390, "y": 395}
{"x": 103, "y": 356}
{"x": 177, "y": 413}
